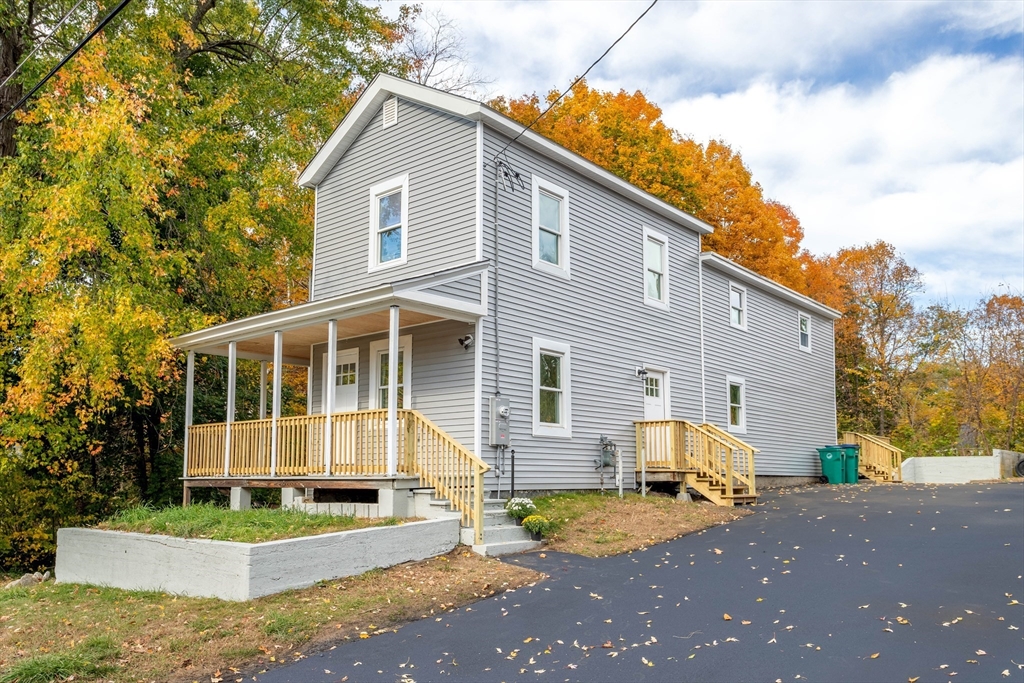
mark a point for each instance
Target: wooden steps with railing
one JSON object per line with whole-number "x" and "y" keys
{"x": 359, "y": 450}
{"x": 879, "y": 460}
{"x": 710, "y": 460}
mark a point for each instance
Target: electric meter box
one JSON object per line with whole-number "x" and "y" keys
{"x": 500, "y": 412}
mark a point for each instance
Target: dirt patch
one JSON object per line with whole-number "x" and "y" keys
{"x": 595, "y": 525}
{"x": 155, "y": 636}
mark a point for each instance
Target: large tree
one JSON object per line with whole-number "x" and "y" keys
{"x": 152, "y": 192}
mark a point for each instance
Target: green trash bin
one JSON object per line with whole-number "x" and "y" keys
{"x": 832, "y": 463}
{"x": 851, "y": 451}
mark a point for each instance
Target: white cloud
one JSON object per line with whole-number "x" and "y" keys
{"x": 872, "y": 120}
{"x": 932, "y": 161}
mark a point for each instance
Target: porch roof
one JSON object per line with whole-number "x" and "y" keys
{"x": 359, "y": 313}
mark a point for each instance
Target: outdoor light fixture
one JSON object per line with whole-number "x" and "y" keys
{"x": 466, "y": 342}
{"x": 641, "y": 373}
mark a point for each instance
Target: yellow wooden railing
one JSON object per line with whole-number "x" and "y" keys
{"x": 681, "y": 446}
{"x": 359, "y": 449}
{"x": 742, "y": 453}
{"x": 879, "y": 459}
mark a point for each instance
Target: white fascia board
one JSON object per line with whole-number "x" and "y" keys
{"x": 751, "y": 278}
{"x": 344, "y": 306}
{"x": 380, "y": 88}
{"x": 589, "y": 169}
{"x": 440, "y": 277}
{"x": 384, "y": 86}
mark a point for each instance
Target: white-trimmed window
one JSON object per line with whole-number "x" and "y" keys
{"x": 655, "y": 268}
{"x": 550, "y": 227}
{"x": 379, "y": 372}
{"x": 389, "y": 223}
{"x": 736, "y": 397}
{"x": 804, "y": 331}
{"x": 552, "y": 395}
{"x": 737, "y": 306}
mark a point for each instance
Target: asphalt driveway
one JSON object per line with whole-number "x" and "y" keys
{"x": 858, "y": 583}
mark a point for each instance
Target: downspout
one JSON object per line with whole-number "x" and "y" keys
{"x": 700, "y": 310}
{"x": 497, "y": 289}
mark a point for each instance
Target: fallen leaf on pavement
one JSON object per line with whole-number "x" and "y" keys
{"x": 875, "y": 656}
{"x": 727, "y": 617}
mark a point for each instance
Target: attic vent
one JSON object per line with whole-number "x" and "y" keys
{"x": 390, "y": 112}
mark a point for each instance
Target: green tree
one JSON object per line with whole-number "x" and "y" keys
{"x": 152, "y": 192}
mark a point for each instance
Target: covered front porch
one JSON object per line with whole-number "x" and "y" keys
{"x": 367, "y": 426}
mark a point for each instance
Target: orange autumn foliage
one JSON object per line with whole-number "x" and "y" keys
{"x": 625, "y": 134}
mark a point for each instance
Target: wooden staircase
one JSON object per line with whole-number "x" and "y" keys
{"x": 879, "y": 460}
{"x": 712, "y": 461}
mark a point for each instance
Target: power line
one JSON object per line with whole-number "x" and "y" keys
{"x": 573, "y": 84}
{"x": 42, "y": 42}
{"x": 99, "y": 27}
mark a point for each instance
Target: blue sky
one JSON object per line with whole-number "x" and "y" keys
{"x": 901, "y": 121}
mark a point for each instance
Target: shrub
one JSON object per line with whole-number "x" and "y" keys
{"x": 537, "y": 524}
{"x": 520, "y": 507}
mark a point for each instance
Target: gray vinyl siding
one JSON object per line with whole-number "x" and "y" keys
{"x": 600, "y": 313}
{"x": 790, "y": 393}
{"x": 442, "y": 375}
{"x": 466, "y": 289}
{"x": 438, "y": 151}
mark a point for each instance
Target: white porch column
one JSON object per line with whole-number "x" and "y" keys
{"x": 331, "y": 379}
{"x": 393, "y": 394}
{"x": 263, "y": 390}
{"x": 276, "y": 407}
{"x": 232, "y": 382}
{"x": 190, "y": 376}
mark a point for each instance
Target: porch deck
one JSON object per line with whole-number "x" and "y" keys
{"x": 714, "y": 462}
{"x": 243, "y": 454}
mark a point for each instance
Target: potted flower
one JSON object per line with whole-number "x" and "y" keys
{"x": 520, "y": 508}
{"x": 537, "y": 525}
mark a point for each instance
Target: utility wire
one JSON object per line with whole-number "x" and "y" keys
{"x": 99, "y": 27}
{"x": 42, "y": 42}
{"x": 573, "y": 84}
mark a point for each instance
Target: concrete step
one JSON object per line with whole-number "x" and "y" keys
{"x": 495, "y": 534}
{"x": 507, "y": 548}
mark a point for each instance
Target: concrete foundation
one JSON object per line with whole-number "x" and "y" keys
{"x": 770, "y": 482}
{"x": 241, "y": 571}
{"x": 241, "y": 498}
{"x": 951, "y": 469}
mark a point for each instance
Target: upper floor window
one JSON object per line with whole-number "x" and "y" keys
{"x": 655, "y": 268}
{"x": 552, "y": 404}
{"x": 737, "y": 396}
{"x": 389, "y": 223}
{"x": 550, "y": 227}
{"x": 805, "y": 332}
{"x": 738, "y": 306}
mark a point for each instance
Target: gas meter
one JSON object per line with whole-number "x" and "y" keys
{"x": 500, "y": 412}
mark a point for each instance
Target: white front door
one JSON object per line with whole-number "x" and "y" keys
{"x": 346, "y": 382}
{"x": 654, "y": 395}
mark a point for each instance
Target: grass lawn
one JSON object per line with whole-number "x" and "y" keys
{"x": 597, "y": 525}
{"x": 56, "y": 631}
{"x": 246, "y": 526}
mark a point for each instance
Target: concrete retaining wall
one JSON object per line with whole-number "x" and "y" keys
{"x": 958, "y": 469}
{"x": 241, "y": 571}
{"x": 1007, "y": 461}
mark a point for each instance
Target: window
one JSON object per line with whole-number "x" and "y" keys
{"x": 655, "y": 269}
{"x": 389, "y": 223}
{"x": 346, "y": 375}
{"x": 552, "y": 405}
{"x": 737, "y": 306}
{"x": 652, "y": 386}
{"x": 805, "y": 331}
{"x": 380, "y": 359}
{"x": 737, "y": 397}
{"x": 550, "y": 228}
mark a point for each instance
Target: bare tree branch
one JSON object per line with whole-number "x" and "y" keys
{"x": 437, "y": 56}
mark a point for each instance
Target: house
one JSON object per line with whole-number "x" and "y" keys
{"x": 478, "y": 289}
